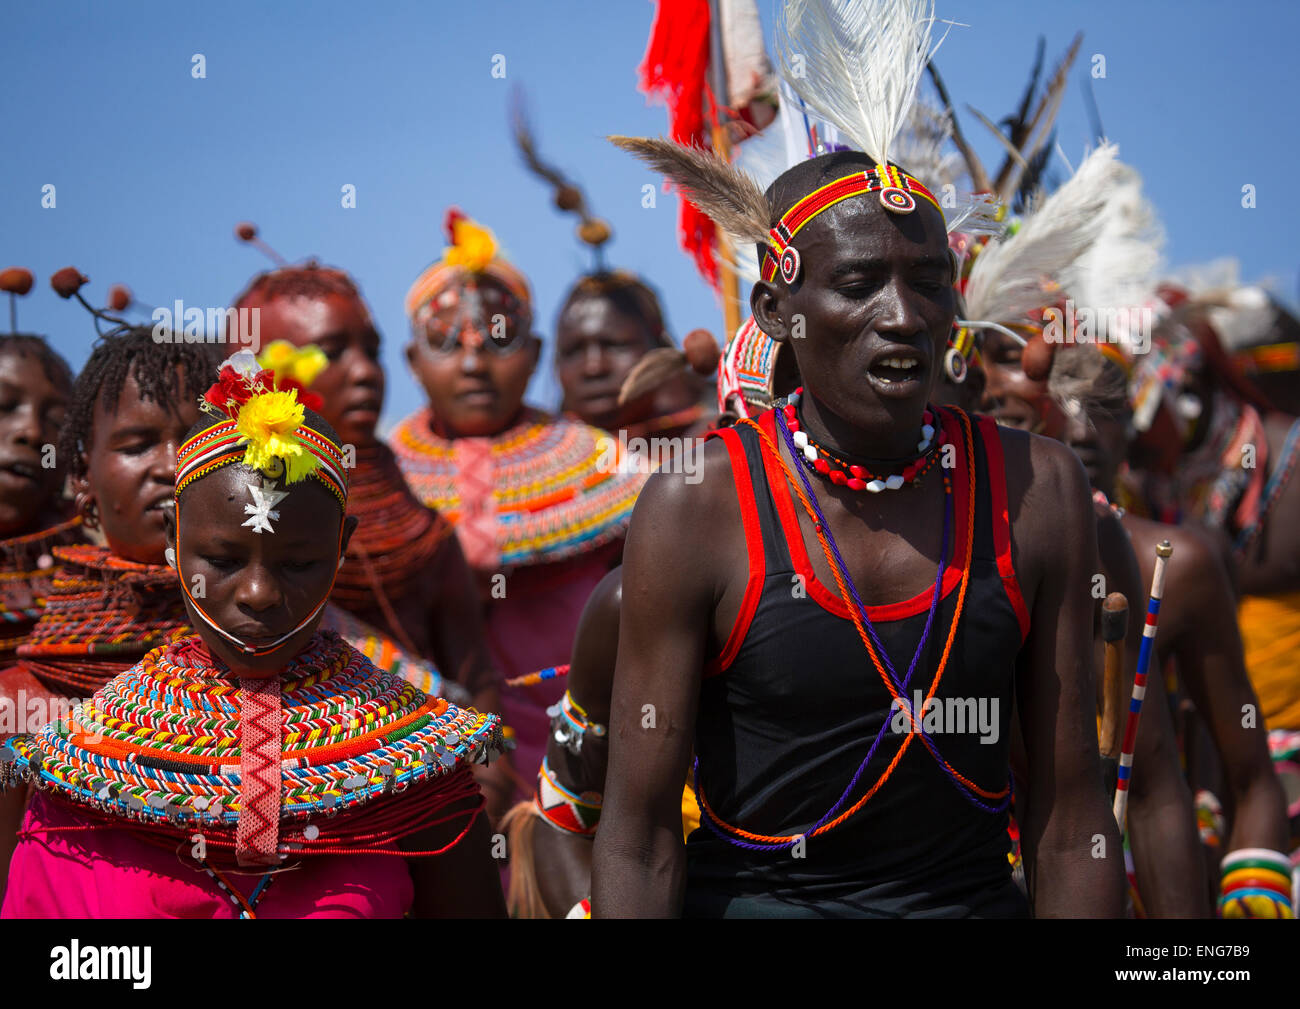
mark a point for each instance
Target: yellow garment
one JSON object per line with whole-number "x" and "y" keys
{"x": 690, "y": 811}
{"x": 1270, "y": 633}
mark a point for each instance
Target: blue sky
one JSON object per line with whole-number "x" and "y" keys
{"x": 153, "y": 168}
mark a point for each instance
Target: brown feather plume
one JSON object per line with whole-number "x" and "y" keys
{"x": 730, "y": 197}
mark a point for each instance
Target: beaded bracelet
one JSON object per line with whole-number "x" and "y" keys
{"x": 1255, "y": 883}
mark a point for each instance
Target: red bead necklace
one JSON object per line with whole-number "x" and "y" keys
{"x": 853, "y": 475}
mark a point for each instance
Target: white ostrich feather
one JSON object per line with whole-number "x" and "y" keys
{"x": 1121, "y": 268}
{"x": 1021, "y": 273}
{"x": 857, "y": 63}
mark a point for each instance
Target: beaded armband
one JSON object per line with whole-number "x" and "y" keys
{"x": 1255, "y": 883}
{"x": 576, "y": 814}
{"x": 570, "y": 725}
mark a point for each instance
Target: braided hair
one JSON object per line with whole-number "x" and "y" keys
{"x": 55, "y": 367}
{"x": 311, "y": 280}
{"x": 628, "y": 294}
{"x": 132, "y": 351}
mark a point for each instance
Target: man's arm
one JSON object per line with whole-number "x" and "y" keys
{"x": 1210, "y": 662}
{"x": 668, "y": 598}
{"x": 1066, "y": 818}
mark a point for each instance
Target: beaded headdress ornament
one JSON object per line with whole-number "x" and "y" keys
{"x": 454, "y": 282}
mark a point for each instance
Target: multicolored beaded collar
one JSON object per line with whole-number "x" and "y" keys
{"x": 854, "y": 475}
{"x": 26, "y": 580}
{"x": 542, "y": 491}
{"x": 893, "y": 184}
{"x": 161, "y": 747}
{"x": 103, "y": 614}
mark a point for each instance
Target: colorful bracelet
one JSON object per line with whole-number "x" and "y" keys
{"x": 1255, "y": 883}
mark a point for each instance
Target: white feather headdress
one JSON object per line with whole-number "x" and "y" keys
{"x": 1016, "y": 276}
{"x": 857, "y": 64}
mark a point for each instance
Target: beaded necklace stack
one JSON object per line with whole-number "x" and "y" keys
{"x": 102, "y": 615}
{"x": 158, "y": 751}
{"x": 548, "y": 489}
{"x": 26, "y": 581}
{"x": 985, "y": 799}
{"x": 394, "y": 544}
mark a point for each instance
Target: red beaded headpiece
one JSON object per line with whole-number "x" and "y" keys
{"x": 893, "y": 184}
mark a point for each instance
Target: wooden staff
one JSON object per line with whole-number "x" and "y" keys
{"x": 1163, "y": 552}
{"x": 1114, "y": 631}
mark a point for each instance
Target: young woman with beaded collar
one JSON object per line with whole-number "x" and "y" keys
{"x": 280, "y": 746}
{"x": 540, "y": 503}
{"x": 808, "y": 811}
{"x": 405, "y": 596}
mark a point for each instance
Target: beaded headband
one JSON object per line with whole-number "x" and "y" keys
{"x": 893, "y": 184}
{"x": 265, "y": 430}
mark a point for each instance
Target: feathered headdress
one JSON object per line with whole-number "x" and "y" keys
{"x": 1015, "y": 277}
{"x": 857, "y": 65}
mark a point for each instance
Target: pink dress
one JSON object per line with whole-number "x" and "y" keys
{"x": 106, "y": 873}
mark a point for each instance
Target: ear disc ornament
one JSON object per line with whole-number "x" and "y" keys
{"x": 790, "y": 264}
{"x": 954, "y": 363}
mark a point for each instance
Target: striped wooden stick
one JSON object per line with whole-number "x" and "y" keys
{"x": 541, "y": 676}
{"x": 1163, "y": 552}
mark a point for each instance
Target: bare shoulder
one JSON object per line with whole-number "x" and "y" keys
{"x": 688, "y": 501}
{"x": 1044, "y": 478}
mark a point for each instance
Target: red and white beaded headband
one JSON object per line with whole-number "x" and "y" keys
{"x": 893, "y": 184}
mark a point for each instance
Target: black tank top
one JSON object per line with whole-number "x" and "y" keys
{"x": 792, "y": 704}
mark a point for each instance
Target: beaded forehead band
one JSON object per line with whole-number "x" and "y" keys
{"x": 894, "y": 186}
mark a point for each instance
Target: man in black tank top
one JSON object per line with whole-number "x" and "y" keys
{"x": 773, "y": 602}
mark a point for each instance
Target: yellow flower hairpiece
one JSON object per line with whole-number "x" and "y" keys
{"x": 473, "y": 246}
{"x": 268, "y": 424}
{"x": 302, "y": 364}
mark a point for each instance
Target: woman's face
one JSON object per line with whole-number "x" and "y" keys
{"x": 474, "y": 390}
{"x": 352, "y": 387}
{"x": 32, "y": 410}
{"x": 596, "y": 346}
{"x": 131, "y": 469}
{"x": 257, "y": 586}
